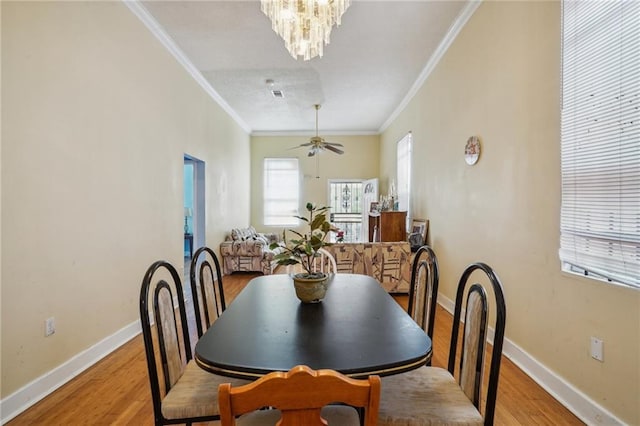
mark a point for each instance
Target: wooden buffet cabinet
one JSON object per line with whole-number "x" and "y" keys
{"x": 390, "y": 226}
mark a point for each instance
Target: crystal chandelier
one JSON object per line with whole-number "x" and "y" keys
{"x": 305, "y": 25}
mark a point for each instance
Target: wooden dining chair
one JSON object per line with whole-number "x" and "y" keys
{"x": 325, "y": 262}
{"x": 423, "y": 292}
{"x": 206, "y": 288}
{"x": 432, "y": 395}
{"x": 181, "y": 391}
{"x": 301, "y": 396}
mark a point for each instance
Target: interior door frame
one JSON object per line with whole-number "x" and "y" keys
{"x": 198, "y": 220}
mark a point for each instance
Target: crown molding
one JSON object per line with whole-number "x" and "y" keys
{"x": 306, "y": 133}
{"x": 156, "y": 29}
{"x": 433, "y": 61}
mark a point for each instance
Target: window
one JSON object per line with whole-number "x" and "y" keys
{"x": 345, "y": 200}
{"x": 404, "y": 174}
{"x": 281, "y": 191}
{"x": 600, "y": 140}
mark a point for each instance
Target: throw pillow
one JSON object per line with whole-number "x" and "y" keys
{"x": 261, "y": 239}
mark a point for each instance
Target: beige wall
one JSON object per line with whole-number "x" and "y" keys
{"x": 500, "y": 81}
{"x": 0, "y": 202}
{"x": 360, "y": 160}
{"x": 96, "y": 119}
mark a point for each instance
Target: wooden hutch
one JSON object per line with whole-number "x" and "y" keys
{"x": 387, "y": 226}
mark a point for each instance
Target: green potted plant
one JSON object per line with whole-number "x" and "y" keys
{"x": 310, "y": 285}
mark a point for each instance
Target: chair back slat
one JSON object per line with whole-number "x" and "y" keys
{"x": 172, "y": 358}
{"x": 423, "y": 292}
{"x": 473, "y": 342}
{"x": 210, "y": 299}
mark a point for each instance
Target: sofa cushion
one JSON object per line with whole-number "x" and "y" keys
{"x": 243, "y": 248}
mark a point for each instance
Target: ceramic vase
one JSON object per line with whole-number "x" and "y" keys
{"x": 310, "y": 288}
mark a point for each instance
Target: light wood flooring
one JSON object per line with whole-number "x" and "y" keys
{"x": 115, "y": 391}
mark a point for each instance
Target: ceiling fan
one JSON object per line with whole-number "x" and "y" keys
{"x": 318, "y": 144}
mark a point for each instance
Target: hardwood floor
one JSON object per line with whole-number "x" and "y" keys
{"x": 115, "y": 391}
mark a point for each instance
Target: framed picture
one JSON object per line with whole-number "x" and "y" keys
{"x": 374, "y": 207}
{"x": 421, "y": 227}
{"x": 415, "y": 241}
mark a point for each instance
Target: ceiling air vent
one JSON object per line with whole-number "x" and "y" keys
{"x": 277, "y": 93}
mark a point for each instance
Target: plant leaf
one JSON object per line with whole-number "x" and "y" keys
{"x": 318, "y": 221}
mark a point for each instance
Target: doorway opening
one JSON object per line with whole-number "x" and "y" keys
{"x": 194, "y": 210}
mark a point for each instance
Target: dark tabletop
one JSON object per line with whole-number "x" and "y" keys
{"x": 358, "y": 330}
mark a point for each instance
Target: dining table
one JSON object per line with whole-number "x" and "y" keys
{"x": 358, "y": 329}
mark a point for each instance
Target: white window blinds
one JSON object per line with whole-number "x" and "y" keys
{"x": 281, "y": 191}
{"x": 600, "y": 140}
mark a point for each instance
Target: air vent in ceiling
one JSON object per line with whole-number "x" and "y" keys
{"x": 277, "y": 93}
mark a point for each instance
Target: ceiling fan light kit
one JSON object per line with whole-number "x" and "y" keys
{"x": 304, "y": 25}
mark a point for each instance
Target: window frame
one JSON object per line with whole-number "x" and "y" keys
{"x": 404, "y": 196}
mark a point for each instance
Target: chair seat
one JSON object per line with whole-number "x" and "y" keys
{"x": 195, "y": 394}
{"x": 425, "y": 396}
{"x": 338, "y": 415}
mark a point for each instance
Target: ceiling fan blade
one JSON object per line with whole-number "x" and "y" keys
{"x": 334, "y": 143}
{"x": 336, "y": 150}
{"x": 294, "y": 147}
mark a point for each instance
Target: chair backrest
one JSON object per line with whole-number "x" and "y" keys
{"x": 165, "y": 334}
{"x": 325, "y": 262}
{"x": 423, "y": 293}
{"x": 300, "y": 395}
{"x": 474, "y": 339}
{"x": 206, "y": 288}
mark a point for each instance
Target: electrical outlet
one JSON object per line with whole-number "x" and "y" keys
{"x": 49, "y": 326}
{"x": 597, "y": 349}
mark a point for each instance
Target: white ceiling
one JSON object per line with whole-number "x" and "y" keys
{"x": 371, "y": 64}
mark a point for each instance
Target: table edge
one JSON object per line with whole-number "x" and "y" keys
{"x": 240, "y": 374}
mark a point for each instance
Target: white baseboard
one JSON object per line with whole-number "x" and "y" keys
{"x": 564, "y": 392}
{"x": 573, "y": 399}
{"x": 28, "y": 395}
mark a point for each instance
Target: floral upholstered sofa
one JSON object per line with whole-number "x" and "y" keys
{"x": 247, "y": 250}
